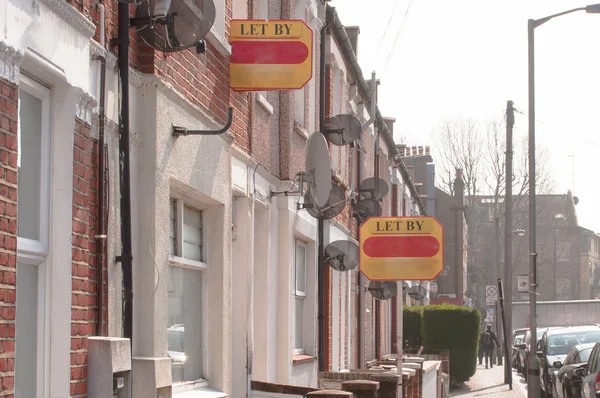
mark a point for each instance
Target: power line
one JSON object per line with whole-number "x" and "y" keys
{"x": 560, "y": 130}
{"x": 398, "y": 35}
{"x": 386, "y": 29}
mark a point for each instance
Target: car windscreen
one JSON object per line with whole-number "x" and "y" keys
{"x": 561, "y": 344}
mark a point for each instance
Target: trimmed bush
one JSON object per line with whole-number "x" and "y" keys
{"x": 456, "y": 329}
{"x": 411, "y": 326}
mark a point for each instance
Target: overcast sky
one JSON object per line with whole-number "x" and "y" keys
{"x": 466, "y": 58}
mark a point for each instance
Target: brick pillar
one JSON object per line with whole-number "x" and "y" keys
{"x": 9, "y": 98}
{"x": 362, "y": 388}
{"x": 330, "y": 394}
{"x": 388, "y": 384}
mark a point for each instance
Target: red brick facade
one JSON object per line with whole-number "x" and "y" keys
{"x": 84, "y": 274}
{"x": 9, "y": 97}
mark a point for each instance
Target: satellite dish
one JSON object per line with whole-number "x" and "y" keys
{"x": 405, "y": 287}
{"x": 473, "y": 278}
{"x": 366, "y": 208}
{"x": 334, "y": 206}
{"x": 174, "y": 25}
{"x": 373, "y": 188}
{"x": 342, "y": 255}
{"x": 417, "y": 292}
{"x": 575, "y": 200}
{"x": 342, "y": 130}
{"x": 318, "y": 170}
{"x": 470, "y": 293}
{"x": 383, "y": 290}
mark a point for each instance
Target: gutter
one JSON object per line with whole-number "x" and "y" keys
{"x": 340, "y": 35}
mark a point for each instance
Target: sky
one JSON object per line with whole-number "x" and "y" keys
{"x": 466, "y": 58}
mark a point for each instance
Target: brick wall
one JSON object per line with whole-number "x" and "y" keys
{"x": 84, "y": 280}
{"x": 9, "y": 96}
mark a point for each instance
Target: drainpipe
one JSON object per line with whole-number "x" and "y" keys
{"x": 361, "y": 278}
{"x": 101, "y": 236}
{"x": 320, "y": 223}
{"x": 126, "y": 257}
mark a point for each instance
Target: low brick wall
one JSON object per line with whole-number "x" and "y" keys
{"x": 389, "y": 382}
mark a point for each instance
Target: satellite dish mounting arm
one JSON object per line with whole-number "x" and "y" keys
{"x": 177, "y": 131}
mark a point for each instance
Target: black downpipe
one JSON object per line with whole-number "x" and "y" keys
{"x": 101, "y": 236}
{"x": 126, "y": 257}
{"x": 321, "y": 254}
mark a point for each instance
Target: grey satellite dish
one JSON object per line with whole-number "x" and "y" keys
{"x": 405, "y": 287}
{"x": 383, "y": 290}
{"x": 470, "y": 293}
{"x": 575, "y": 200}
{"x": 342, "y": 255}
{"x": 417, "y": 292}
{"x": 334, "y": 206}
{"x": 373, "y": 188}
{"x": 174, "y": 25}
{"x": 473, "y": 278}
{"x": 318, "y": 170}
{"x": 342, "y": 130}
{"x": 366, "y": 208}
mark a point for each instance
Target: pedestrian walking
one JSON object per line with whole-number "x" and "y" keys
{"x": 487, "y": 341}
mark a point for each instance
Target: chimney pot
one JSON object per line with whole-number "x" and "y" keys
{"x": 414, "y": 150}
{"x": 427, "y": 150}
{"x": 420, "y": 150}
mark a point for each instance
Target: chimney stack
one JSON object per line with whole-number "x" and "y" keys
{"x": 459, "y": 187}
{"x": 353, "y": 32}
{"x": 389, "y": 122}
{"x": 401, "y": 149}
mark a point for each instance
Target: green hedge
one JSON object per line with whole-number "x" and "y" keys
{"x": 412, "y": 321}
{"x": 448, "y": 327}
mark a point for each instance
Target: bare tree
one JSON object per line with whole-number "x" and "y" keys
{"x": 459, "y": 145}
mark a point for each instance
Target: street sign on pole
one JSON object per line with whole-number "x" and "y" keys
{"x": 270, "y": 55}
{"x": 401, "y": 248}
{"x": 491, "y": 294}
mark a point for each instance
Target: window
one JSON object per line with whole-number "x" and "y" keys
{"x": 186, "y": 306}
{"x": 32, "y": 231}
{"x": 185, "y": 242}
{"x": 299, "y": 295}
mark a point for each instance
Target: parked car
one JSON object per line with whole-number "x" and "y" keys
{"x": 524, "y": 348}
{"x": 518, "y": 337}
{"x": 515, "y": 351}
{"x": 567, "y": 381}
{"x": 590, "y": 385}
{"x": 554, "y": 346}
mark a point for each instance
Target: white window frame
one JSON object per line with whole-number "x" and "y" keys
{"x": 179, "y": 261}
{"x": 300, "y": 295}
{"x": 36, "y": 252}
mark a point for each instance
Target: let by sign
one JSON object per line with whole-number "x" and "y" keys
{"x": 270, "y": 55}
{"x": 401, "y": 248}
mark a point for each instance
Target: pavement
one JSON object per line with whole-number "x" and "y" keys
{"x": 489, "y": 383}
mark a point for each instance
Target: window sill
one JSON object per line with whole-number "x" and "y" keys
{"x": 196, "y": 389}
{"x": 185, "y": 263}
{"x": 301, "y": 131}
{"x": 302, "y": 358}
{"x": 219, "y": 42}
{"x": 264, "y": 103}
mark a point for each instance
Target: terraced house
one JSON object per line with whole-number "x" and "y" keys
{"x": 225, "y": 273}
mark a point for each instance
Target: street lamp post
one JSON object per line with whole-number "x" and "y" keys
{"x": 554, "y": 294}
{"x": 533, "y": 369}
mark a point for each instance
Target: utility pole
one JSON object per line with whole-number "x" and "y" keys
{"x": 508, "y": 210}
{"x": 554, "y": 279}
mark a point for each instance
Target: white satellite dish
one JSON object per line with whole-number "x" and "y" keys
{"x": 318, "y": 169}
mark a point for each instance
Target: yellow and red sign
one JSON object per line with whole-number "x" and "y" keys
{"x": 270, "y": 55}
{"x": 401, "y": 248}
